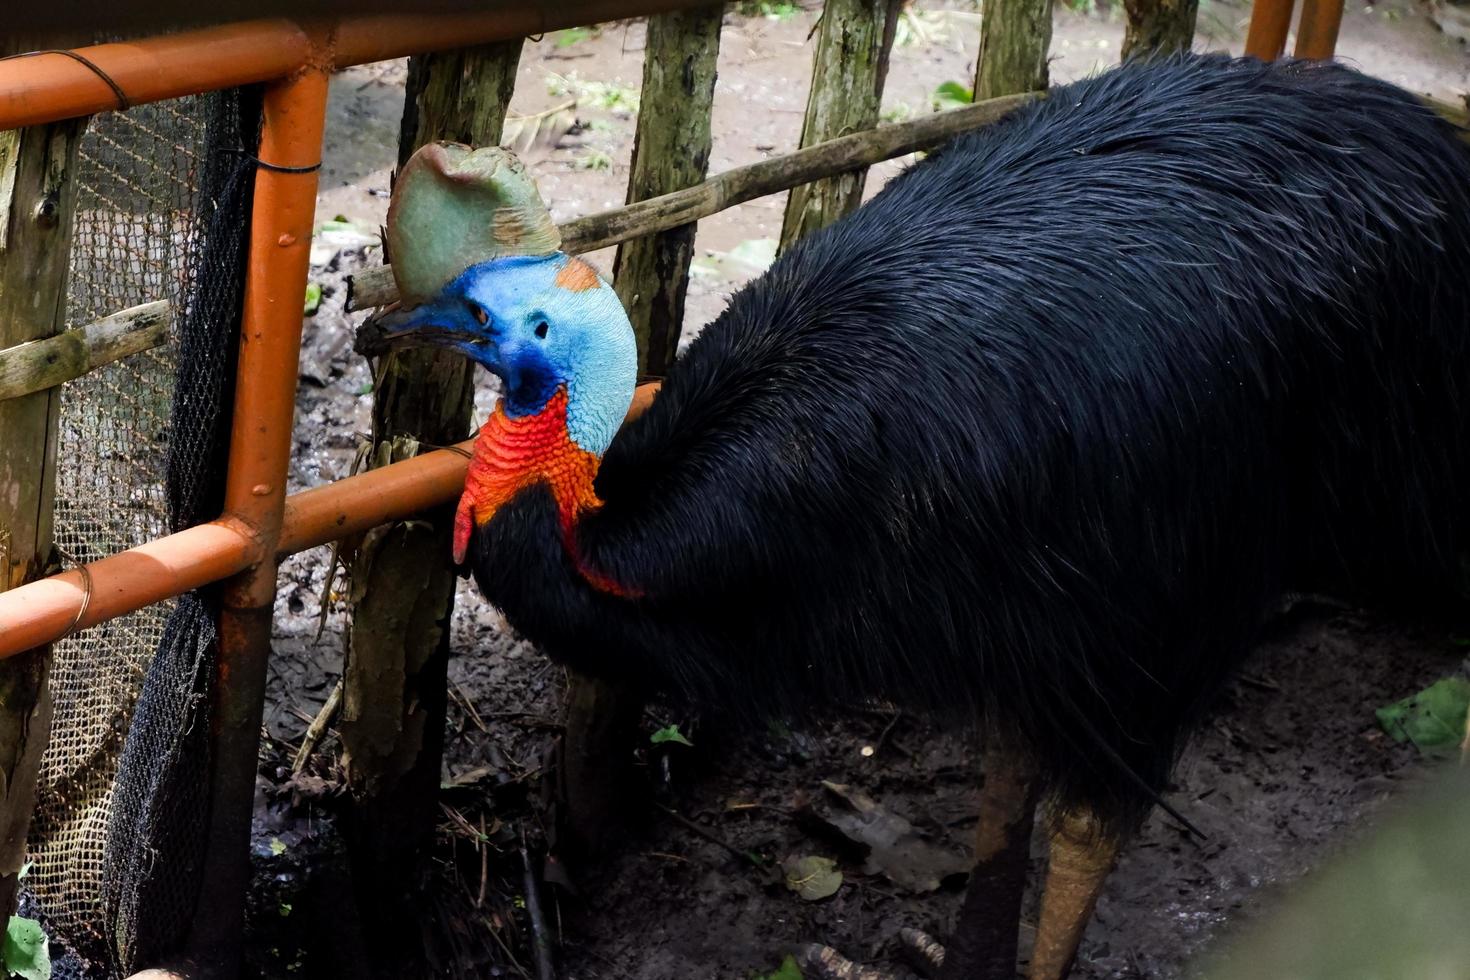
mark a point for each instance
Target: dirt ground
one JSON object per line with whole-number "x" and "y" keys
{"x": 1289, "y": 768}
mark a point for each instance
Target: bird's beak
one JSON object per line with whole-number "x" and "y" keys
{"x": 425, "y": 325}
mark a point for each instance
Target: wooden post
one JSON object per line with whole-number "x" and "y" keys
{"x": 402, "y": 596}
{"x": 1015, "y": 36}
{"x": 670, "y": 152}
{"x": 1158, "y": 26}
{"x": 848, "y": 72}
{"x": 37, "y": 205}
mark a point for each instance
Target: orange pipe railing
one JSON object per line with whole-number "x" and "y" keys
{"x": 1316, "y": 31}
{"x": 44, "y": 88}
{"x": 1270, "y": 23}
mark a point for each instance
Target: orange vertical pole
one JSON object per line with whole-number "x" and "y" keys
{"x": 1270, "y": 22}
{"x": 1316, "y": 32}
{"x": 255, "y": 492}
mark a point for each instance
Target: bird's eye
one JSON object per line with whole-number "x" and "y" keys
{"x": 480, "y": 314}
{"x": 541, "y": 329}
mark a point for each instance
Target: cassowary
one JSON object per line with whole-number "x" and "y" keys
{"x": 1032, "y": 441}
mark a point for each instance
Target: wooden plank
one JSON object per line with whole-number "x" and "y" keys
{"x": 1158, "y": 27}
{"x": 848, "y": 72}
{"x": 375, "y": 287}
{"x": 1015, "y": 36}
{"x": 37, "y": 204}
{"x": 394, "y": 678}
{"x": 40, "y": 364}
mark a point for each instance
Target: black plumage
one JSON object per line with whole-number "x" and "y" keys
{"x": 1034, "y": 439}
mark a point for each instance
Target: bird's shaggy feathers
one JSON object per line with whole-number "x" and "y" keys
{"x": 1034, "y": 438}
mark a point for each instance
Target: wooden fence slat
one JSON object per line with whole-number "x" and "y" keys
{"x": 671, "y": 150}
{"x": 1158, "y": 26}
{"x": 375, "y": 287}
{"x": 848, "y": 71}
{"x": 402, "y": 594}
{"x": 1015, "y": 36}
{"x": 40, "y": 364}
{"x": 670, "y": 153}
{"x": 37, "y": 206}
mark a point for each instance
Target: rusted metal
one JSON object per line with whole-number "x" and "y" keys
{"x": 1316, "y": 31}
{"x": 48, "y": 87}
{"x": 1270, "y": 23}
{"x": 284, "y": 205}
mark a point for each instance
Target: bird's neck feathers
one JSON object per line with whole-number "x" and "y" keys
{"x": 513, "y": 452}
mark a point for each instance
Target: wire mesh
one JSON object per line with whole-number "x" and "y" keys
{"x": 133, "y": 243}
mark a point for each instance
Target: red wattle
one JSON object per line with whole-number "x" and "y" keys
{"x": 513, "y": 453}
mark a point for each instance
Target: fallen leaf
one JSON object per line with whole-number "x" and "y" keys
{"x": 669, "y": 734}
{"x": 26, "y": 952}
{"x": 536, "y": 135}
{"x": 894, "y": 849}
{"x": 812, "y": 878}
{"x": 788, "y": 970}
{"x": 1433, "y": 719}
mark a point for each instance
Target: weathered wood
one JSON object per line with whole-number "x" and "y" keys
{"x": 670, "y": 153}
{"x": 392, "y": 722}
{"x": 41, "y": 364}
{"x": 459, "y": 95}
{"x": 848, "y": 72}
{"x": 374, "y": 287}
{"x": 37, "y": 205}
{"x": 1015, "y": 36}
{"x": 1158, "y": 26}
{"x": 671, "y": 150}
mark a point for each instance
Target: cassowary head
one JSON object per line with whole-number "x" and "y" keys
{"x": 479, "y": 271}
{"x": 541, "y": 324}
{"x": 476, "y": 259}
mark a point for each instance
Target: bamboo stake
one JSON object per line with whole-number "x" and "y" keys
{"x": 375, "y": 287}
{"x": 40, "y": 364}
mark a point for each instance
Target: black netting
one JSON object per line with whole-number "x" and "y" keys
{"x": 156, "y": 831}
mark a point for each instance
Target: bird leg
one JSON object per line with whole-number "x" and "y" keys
{"x": 1081, "y": 858}
{"x": 983, "y": 943}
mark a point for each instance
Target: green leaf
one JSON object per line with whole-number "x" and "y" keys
{"x": 812, "y": 878}
{"x": 25, "y": 869}
{"x": 952, "y": 95}
{"x": 788, "y": 970}
{"x": 313, "y": 298}
{"x": 1432, "y": 719}
{"x": 670, "y": 734}
{"x": 569, "y": 37}
{"x": 26, "y": 953}
{"x": 278, "y": 847}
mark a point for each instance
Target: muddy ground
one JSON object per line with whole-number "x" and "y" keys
{"x": 1289, "y": 767}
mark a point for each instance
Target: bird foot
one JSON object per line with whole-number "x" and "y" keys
{"x": 819, "y": 962}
